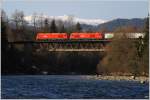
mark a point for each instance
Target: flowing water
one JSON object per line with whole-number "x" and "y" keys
{"x": 67, "y": 86}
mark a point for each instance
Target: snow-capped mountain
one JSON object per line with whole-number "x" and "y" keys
{"x": 69, "y": 18}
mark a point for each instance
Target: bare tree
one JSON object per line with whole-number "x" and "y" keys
{"x": 6, "y": 22}
{"x": 18, "y": 18}
{"x": 70, "y": 20}
{"x": 20, "y": 29}
{"x": 41, "y": 22}
{"x": 60, "y": 26}
{"x": 34, "y": 21}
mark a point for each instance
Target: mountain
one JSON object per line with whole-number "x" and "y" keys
{"x": 69, "y": 18}
{"x": 116, "y": 23}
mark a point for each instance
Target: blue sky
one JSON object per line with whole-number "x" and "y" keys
{"x": 91, "y": 9}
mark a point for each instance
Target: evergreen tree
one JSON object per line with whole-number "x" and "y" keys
{"x": 46, "y": 25}
{"x": 53, "y": 26}
{"x": 62, "y": 29}
{"x": 4, "y": 41}
{"x": 145, "y": 58}
{"x": 143, "y": 43}
{"x": 146, "y": 31}
{"x": 4, "y": 25}
{"x": 78, "y": 27}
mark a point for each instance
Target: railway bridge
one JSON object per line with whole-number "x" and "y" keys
{"x": 65, "y": 45}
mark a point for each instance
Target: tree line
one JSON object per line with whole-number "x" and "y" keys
{"x": 20, "y": 29}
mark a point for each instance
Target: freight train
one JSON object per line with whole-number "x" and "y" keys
{"x": 73, "y": 36}
{"x": 83, "y": 36}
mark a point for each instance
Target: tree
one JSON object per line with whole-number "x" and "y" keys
{"x": 20, "y": 30}
{"x": 18, "y": 18}
{"x": 70, "y": 25}
{"x": 4, "y": 40}
{"x": 70, "y": 20}
{"x": 4, "y": 27}
{"x": 142, "y": 46}
{"x": 145, "y": 56}
{"x": 62, "y": 29}
{"x": 60, "y": 26}
{"x": 34, "y": 21}
{"x": 46, "y": 25}
{"x": 78, "y": 27}
{"x": 146, "y": 31}
{"x": 53, "y": 26}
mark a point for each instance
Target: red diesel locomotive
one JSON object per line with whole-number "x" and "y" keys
{"x": 51, "y": 36}
{"x": 86, "y": 36}
{"x": 73, "y": 36}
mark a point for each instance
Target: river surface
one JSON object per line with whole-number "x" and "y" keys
{"x": 67, "y": 86}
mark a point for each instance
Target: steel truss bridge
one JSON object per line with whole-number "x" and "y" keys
{"x": 65, "y": 45}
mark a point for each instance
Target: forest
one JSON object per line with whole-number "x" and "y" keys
{"x": 124, "y": 57}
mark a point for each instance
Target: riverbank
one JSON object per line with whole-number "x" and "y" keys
{"x": 127, "y": 78}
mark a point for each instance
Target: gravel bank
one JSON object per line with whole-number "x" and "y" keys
{"x": 127, "y": 78}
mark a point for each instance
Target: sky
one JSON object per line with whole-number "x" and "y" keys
{"x": 90, "y": 9}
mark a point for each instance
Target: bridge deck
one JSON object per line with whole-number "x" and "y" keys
{"x": 102, "y": 50}
{"x": 58, "y": 41}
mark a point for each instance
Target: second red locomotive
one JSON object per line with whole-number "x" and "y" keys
{"x": 86, "y": 36}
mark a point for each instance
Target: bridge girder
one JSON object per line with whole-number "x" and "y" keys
{"x": 94, "y": 45}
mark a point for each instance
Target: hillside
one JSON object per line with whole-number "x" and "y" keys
{"x": 114, "y": 24}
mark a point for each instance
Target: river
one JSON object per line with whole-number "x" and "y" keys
{"x": 69, "y": 86}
